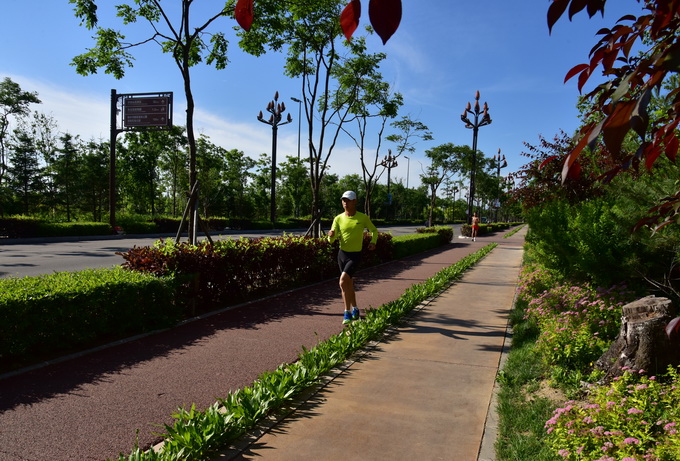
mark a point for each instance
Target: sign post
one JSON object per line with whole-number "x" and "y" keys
{"x": 139, "y": 112}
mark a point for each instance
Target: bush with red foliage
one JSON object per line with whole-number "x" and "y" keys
{"x": 235, "y": 270}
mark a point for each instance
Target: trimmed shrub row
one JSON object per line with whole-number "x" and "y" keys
{"x": 28, "y": 227}
{"x": 234, "y": 270}
{"x": 70, "y": 310}
{"x": 23, "y": 227}
{"x": 466, "y": 229}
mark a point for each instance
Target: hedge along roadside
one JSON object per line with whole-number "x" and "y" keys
{"x": 231, "y": 271}
{"x": 46, "y": 316}
{"x": 198, "y": 435}
{"x": 69, "y": 310}
{"x": 487, "y": 228}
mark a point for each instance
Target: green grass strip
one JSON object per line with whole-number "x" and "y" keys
{"x": 198, "y": 435}
{"x": 522, "y": 411}
{"x": 513, "y": 232}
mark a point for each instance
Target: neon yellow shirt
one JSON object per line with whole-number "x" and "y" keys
{"x": 350, "y": 231}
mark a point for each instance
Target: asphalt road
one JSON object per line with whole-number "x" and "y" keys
{"x": 30, "y": 257}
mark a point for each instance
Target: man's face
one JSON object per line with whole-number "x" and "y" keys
{"x": 349, "y": 205}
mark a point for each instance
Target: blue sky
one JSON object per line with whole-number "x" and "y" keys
{"x": 443, "y": 52}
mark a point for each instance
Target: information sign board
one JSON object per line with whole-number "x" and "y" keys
{"x": 146, "y": 111}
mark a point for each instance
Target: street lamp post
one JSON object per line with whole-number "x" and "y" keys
{"x": 276, "y": 110}
{"x": 389, "y": 162}
{"x": 500, "y": 163}
{"x": 474, "y": 125}
{"x": 408, "y": 169}
{"x": 299, "y": 122}
{"x": 297, "y": 205}
{"x": 453, "y": 212}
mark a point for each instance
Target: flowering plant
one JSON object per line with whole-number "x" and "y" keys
{"x": 577, "y": 324}
{"x": 634, "y": 418}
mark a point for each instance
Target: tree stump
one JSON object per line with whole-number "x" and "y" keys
{"x": 642, "y": 343}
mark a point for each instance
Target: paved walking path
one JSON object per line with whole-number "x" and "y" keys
{"x": 95, "y": 406}
{"x": 423, "y": 393}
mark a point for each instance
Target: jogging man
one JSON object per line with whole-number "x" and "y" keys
{"x": 349, "y": 227}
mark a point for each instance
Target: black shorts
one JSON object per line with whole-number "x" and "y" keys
{"x": 348, "y": 261}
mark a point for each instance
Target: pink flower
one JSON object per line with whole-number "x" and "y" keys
{"x": 634, "y": 411}
{"x": 631, "y": 440}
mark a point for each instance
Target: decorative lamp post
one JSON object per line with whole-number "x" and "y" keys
{"x": 500, "y": 163}
{"x": 299, "y": 122}
{"x": 453, "y": 212}
{"x": 297, "y": 185}
{"x": 480, "y": 118}
{"x": 408, "y": 169}
{"x": 276, "y": 109}
{"x": 389, "y": 162}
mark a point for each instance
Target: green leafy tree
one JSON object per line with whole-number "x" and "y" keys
{"x": 211, "y": 163}
{"x": 409, "y": 133}
{"x": 138, "y": 166}
{"x": 25, "y": 172}
{"x": 45, "y": 133}
{"x": 293, "y": 177}
{"x": 235, "y": 176}
{"x": 173, "y": 163}
{"x": 67, "y": 173}
{"x": 93, "y": 184}
{"x": 260, "y": 186}
{"x": 172, "y": 30}
{"x": 310, "y": 33}
{"x": 14, "y": 102}
{"x": 621, "y": 105}
{"x": 444, "y": 164}
{"x": 373, "y": 99}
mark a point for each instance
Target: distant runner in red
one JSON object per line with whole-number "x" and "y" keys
{"x": 475, "y": 226}
{"x": 349, "y": 228}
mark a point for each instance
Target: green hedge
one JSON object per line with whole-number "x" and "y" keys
{"x": 425, "y": 239}
{"x": 230, "y": 271}
{"x": 69, "y": 310}
{"x": 73, "y": 229}
{"x": 26, "y": 227}
{"x": 466, "y": 229}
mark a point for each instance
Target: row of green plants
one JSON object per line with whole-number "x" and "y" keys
{"x": 199, "y": 434}
{"x": 25, "y": 227}
{"x": 235, "y": 270}
{"x": 559, "y": 330}
{"x": 65, "y": 311}
{"x": 513, "y": 231}
{"x": 30, "y": 227}
{"x": 486, "y": 228}
{"x": 160, "y": 285}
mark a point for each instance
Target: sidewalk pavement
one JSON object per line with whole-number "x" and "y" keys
{"x": 425, "y": 392}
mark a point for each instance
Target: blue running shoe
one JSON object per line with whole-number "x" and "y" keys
{"x": 348, "y": 318}
{"x": 355, "y": 313}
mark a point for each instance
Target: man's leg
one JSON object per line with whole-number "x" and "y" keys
{"x": 348, "y": 294}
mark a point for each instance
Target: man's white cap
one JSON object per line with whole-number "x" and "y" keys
{"x": 350, "y": 195}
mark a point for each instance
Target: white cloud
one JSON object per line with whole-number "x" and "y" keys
{"x": 78, "y": 113}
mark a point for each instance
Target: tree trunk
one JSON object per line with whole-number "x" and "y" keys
{"x": 642, "y": 343}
